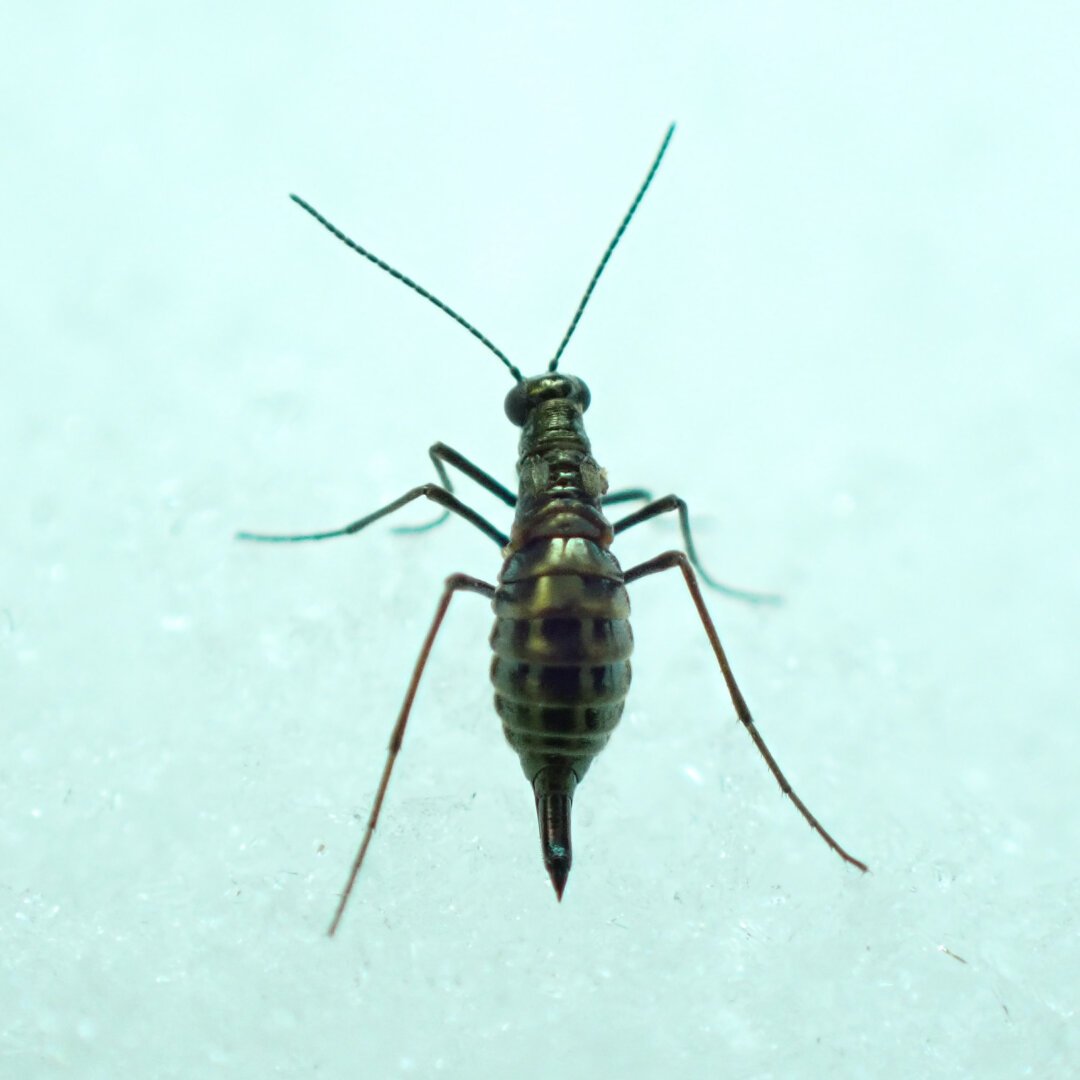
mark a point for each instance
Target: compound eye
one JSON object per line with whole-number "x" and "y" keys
{"x": 516, "y": 405}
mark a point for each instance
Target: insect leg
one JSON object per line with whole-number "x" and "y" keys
{"x": 673, "y": 502}
{"x": 428, "y": 491}
{"x": 439, "y": 453}
{"x": 454, "y": 583}
{"x": 672, "y": 559}
{"x": 625, "y": 495}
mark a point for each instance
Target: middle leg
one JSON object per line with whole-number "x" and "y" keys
{"x": 673, "y": 502}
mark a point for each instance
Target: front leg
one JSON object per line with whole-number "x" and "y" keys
{"x": 440, "y": 453}
{"x": 429, "y": 491}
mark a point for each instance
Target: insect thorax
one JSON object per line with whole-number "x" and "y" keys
{"x": 560, "y": 483}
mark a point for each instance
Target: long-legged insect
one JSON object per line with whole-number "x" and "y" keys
{"x": 562, "y": 637}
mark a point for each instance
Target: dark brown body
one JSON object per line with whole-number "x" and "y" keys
{"x": 562, "y": 639}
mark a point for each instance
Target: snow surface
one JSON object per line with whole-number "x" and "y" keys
{"x": 843, "y": 327}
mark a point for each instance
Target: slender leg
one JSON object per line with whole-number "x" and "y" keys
{"x": 673, "y": 502}
{"x": 439, "y": 453}
{"x": 672, "y": 559}
{"x": 454, "y": 583}
{"x": 428, "y": 491}
{"x": 626, "y": 495}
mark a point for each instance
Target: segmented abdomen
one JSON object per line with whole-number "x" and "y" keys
{"x": 562, "y": 641}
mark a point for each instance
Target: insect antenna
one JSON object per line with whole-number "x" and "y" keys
{"x": 330, "y": 227}
{"x": 610, "y": 248}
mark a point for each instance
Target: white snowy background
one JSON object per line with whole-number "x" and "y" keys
{"x": 843, "y": 327}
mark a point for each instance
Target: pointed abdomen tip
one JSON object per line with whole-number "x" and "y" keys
{"x": 557, "y": 861}
{"x": 553, "y": 813}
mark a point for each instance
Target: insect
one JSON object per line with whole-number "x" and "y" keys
{"x": 561, "y": 639}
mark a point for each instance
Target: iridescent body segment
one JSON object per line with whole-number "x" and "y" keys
{"x": 561, "y": 639}
{"x": 562, "y": 643}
